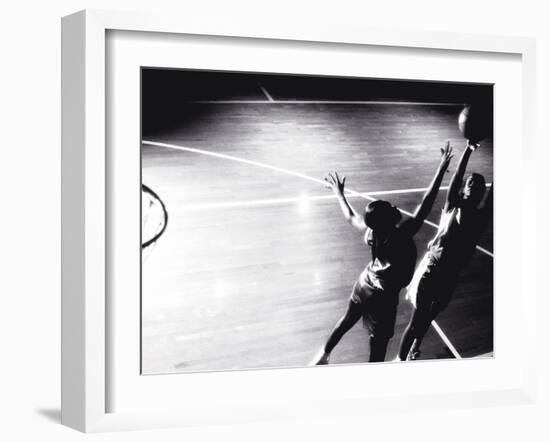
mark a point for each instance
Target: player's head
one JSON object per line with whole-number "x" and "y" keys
{"x": 474, "y": 189}
{"x": 381, "y": 215}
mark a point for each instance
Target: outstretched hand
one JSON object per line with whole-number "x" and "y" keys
{"x": 446, "y": 156}
{"x": 335, "y": 183}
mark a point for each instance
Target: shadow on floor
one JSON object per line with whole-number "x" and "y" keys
{"x": 51, "y": 414}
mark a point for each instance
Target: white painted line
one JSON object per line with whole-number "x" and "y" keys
{"x": 263, "y": 202}
{"x": 267, "y": 94}
{"x": 446, "y": 340}
{"x": 297, "y": 199}
{"x": 307, "y": 177}
{"x": 484, "y": 355}
{"x": 400, "y": 191}
{"x": 233, "y": 158}
{"x": 349, "y": 191}
{"x": 269, "y": 201}
{"x": 359, "y": 102}
{"x": 254, "y": 203}
{"x": 411, "y": 190}
{"x": 430, "y": 223}
{"x": 481, "y": 249}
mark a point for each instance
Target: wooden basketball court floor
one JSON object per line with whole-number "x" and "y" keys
{"x": 257, "y": 262}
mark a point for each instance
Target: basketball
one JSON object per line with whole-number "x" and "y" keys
{"x": 474, "y": 123}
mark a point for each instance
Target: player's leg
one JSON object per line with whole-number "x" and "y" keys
{"x": 415, "y": 332}
{"x": 379, "y": 319}
{"x": 407, "y": 340}
{"x": 344, "y": 324}
{"x": 378, "y": 348}
{"x": 420, "y": 330}
{"x": 422, "y": 294}
{"x": 439, "y": 304}
{"x": 433, "y": 305}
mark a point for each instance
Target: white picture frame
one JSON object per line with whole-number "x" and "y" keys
{"x": 86, "y": 211}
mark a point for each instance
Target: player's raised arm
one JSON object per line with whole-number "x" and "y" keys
{"x": 453, "y": 194}
{"x": 336, "y": 184}
{"x": 428, "y": 200}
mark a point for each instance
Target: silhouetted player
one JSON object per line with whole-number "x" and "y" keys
{"x": 375, "y": 294}
{"x": 462, "y": 222}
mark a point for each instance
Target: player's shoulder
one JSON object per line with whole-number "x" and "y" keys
{"x": 407, "y": 227}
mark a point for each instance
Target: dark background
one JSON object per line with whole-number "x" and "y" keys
{"x": 165, "y": 92}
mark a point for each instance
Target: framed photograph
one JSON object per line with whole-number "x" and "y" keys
{"x": 266, "y": 223}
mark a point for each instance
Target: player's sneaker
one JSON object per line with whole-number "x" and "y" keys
{"x": 413, "y": 355}
{"x": 321, "y": 358}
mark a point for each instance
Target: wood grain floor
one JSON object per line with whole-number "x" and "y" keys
{"x": 254, "y": 269}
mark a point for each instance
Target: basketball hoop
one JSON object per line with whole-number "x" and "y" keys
{"x": 154, "y": 217}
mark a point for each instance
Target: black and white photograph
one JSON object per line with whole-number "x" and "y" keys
{"x": 275, "y": 221}
{"x": 298, "y": 221}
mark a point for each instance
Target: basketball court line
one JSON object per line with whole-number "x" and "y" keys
{"x": 267, "y": 94}
{"x": 351, "y": 192}
{"x": 272, "y": 101}
{"x": 486, "y": 355}
{"x": 298, "y": 199}
{"x": 288, "y": 172}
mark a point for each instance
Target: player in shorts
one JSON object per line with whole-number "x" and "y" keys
{"x": 393, "y": 256}
{"x": 462, "y": 221}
